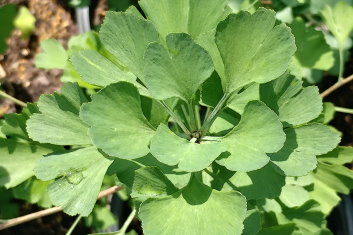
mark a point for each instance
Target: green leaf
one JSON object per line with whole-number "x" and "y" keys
{"x": 252, "y": 223}
{"x": 317, "y": 5}
{"x": 59, "y": 122}
{"x": 8, "y": 209}
{"x": 303, "y": 144}
{"x": 88, "y": 40}
{"x": 339, "y": 156}
{"x": 262, "y": 183}
{"x": 151, "y": 182}
{"x": 17, "y": 161}
{"x": 125, "y": 171}
{"x": 269, "y": 205}
{"x": 179, "y": 71}
{"x": 25, "y": 22}
{"x": 308, "y": 217}
{"x": 313, "y": 51}
{"x": 33, "y": 191}
{"x": 100, "y": 218}
{"x": 96, "y": 69}
{"x": 79, "y": 175}
{"x": 154, "y": 111}
{"x": 286, "y": 96}
{"x": 324, "y": 194}
{"x": 171, "y": 149}
{"x": 117, "y": 123}
{"x": 2, "y": 135}
{"x": 7, "y": 15}
{"x": 14, "y": 124}
{"x": 207, "y": 41}
{"x": 127, "y": 36}
{"x": 187, "y": 16}
{"x": 294, "y": 195}
{"x": 245, "y": 53}
{"x": 53, "y": 56}
{"x": 327, "y": 114}
{"x": 238, "y": 101}
{"x": 224, "y": 123}
{"x": 259, "y": 132}
{"x": 337, "y": 21}
{"x": 305, "y": 180}
{"x": 278, "y": 230}
{"x": 193, "y": 212}
{"x": 336, "y": 177}
{"x": 179, "y": 178}
{"x": 211, "y": 91}
{"x": 313, "y": 105}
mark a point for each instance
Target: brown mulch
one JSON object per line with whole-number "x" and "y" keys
{"x": 18, "y": 74}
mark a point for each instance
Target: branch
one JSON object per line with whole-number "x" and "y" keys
{"x": 337, "y": 85}
{"x": 23, "y": 219}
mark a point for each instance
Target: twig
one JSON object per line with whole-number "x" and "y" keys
{"x": 13, "y": 99}
{"x": 266, "y": 2}
{"x": 337, "y": 85}
{"x": 22, "y": 219}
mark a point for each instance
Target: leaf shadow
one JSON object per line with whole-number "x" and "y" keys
{"x": 290, "y": 146}
{"x": 196, "y": 193}
{"x": 4, "y": 176}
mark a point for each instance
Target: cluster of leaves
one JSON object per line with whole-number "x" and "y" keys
{"x": 201, "y": 114}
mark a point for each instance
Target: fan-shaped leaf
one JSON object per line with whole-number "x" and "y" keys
{"x": 247, "y": 43}
{"x": 59, "y": 123}
{"x": 259, "y": 132}
{"x": 117, "y": 124}
{"x": 179, "y": 71}
{"x": 79, "y": 175}
{"x": 127, "y": 36}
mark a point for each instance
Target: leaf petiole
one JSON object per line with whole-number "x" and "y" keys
{"x": 341, "y": 58}
{"x": 73, "y": 226}
{"x": 197, "y": 116}
{"x": 128, "y": 221}
{"x": 343, "y": 110}
{"x": 211, "y": 138}
{"x": 192, "y": 116}
{"x": 175, "y": 117}
{"x": 210, "y": 119}
{"x": 13, "y": 99}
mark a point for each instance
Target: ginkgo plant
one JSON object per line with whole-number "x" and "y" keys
{"x": 199, "y": 115}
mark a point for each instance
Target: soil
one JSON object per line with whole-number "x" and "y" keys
{"x": 18, "y": 74}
